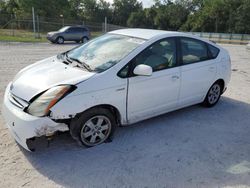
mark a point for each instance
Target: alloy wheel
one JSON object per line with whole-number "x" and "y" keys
{"x": 96, "y": 130}
{"x": 214, "y": 94}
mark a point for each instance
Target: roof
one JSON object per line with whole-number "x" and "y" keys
{"x": 143, "y": 33}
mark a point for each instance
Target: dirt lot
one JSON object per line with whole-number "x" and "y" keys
{"x": 193, "y": 147}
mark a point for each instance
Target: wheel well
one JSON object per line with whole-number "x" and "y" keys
{"x": 222, "y": 84}
{"x": 85, "y": 37}
{"x": 112, "y": 109}
{"x": 59, "y": 37}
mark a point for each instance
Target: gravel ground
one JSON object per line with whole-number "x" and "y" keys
{"x": 193, "y": 147}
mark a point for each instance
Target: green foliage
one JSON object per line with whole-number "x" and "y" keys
{"x": 231, "y": 16}
{"x": 143, "y": 19}
{"x": 187, "y": 15}
{"x": 122, "y": 10}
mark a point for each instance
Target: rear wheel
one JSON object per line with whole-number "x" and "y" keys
{"x": 60, "y": 40}
{"x": 93, "y": 127}
{"x": 213, "y": 95}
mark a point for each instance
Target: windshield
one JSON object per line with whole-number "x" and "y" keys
{"x": 64, "y": 29}
{"x": 103, "y": 52}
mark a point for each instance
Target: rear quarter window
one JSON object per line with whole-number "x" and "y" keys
{"x": 193, "y": 51}
{"x": 213, "y": 51}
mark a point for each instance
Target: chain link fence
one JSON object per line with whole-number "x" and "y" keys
{"x": 24, "y": 26}
{"x": 229, "y": 38}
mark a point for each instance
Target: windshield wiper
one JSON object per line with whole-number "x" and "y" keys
{"x": 84, "y": 65}
{"x": 64, "y": 60}
{"x": 69, "y": 60}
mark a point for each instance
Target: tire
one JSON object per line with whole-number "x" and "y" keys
{"x": 85, "y": 40}
{"x": 213, "y": 95}
{"x": 93, "y": 127}
{"x": 60, "y": 40}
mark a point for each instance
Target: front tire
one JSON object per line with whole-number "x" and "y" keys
{"x": 85, "y": 40}
{"x": 60, "y": 40}
{"x": 213, "y": 95}
{"x": 93, "y": 127}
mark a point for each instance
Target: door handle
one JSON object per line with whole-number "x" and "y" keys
{"x": 211, "y": 69}
{"x": 175, "y": 77}
{"x": 121, "y": 89}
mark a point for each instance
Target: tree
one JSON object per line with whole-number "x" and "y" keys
{"x": 242, "y": 24}
{"x": 231, "y": 16}
{"x": 143, "y": 18}
{"x": 122, "y": 10}
{"x": 171, "y": 16}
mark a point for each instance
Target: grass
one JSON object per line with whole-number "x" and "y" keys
{"x": 27, "y": 36}
{"x": 20, "y": 39}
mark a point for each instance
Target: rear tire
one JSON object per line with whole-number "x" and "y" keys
{"x": 213, "y": 95}
{"x": 93, "y": 127}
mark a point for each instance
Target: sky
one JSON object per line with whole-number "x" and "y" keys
{"x": 146, "y": 3}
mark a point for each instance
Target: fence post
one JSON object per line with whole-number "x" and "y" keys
{"x": 105, "y": 25}
{"x": 230, "y": 39}
{"x": 61, "y": 15}
{"x": 12, "y": 28}
{"x": 242, "y": 37}
{"x": 34, "y": 21}
{"x": 220, "y": 37}
{"x": 38, "y": 28}
{"x": 210, "y": 35}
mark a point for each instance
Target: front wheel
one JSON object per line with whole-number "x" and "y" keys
{"x": 93, "y": 127}
{"x": 213, "y": 95}
{"x": 60, "y": 40}
{"x": 85, "y": 40}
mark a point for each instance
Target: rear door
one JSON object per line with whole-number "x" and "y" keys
{"x": 79, "y": 33}
{"x": 198, "y": 70}
{"x": 153, "y": 95}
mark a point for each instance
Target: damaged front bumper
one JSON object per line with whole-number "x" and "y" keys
{"x": 24, "y": 126}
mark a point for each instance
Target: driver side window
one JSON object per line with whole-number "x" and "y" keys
{"x": 161, "y": 55}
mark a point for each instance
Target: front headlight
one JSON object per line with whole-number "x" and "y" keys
{"x": 42, "y": 104}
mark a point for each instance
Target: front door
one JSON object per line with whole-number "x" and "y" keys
{"x": 156, "y": 94}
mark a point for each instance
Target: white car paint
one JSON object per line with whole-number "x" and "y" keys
{"x": 135, "y": 98}
{"x": 248, "y": 46}
{"x": 45, "y": 74}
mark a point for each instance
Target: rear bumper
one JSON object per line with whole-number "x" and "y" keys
{"x": 224, "y": 90}
{"x": 24, "y": 126}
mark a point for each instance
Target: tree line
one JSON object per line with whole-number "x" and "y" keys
{"x": 229, "y": 16}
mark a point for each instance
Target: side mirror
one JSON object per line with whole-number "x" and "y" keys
{"x": 143, "y": 70}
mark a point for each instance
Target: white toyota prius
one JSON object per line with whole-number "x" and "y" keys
{"x": 120, "y": 78}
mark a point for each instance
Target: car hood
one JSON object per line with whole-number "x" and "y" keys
{"x": 45, "y": 74}
{"x": 53, "y": 32}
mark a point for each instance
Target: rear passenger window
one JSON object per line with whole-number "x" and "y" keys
{"x": 83, "y": 29}
{"x": 214, "y": 51}
{"x": 193, "y": 51}
{"x": 80, "y": 30}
